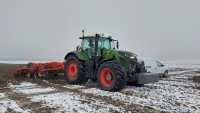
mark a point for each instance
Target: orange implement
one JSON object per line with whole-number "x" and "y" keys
{"x": 38, "y": 68}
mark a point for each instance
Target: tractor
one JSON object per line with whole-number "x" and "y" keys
{"x": 99, "y": 59}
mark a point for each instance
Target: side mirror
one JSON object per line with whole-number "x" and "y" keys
{"x": 117, "y": 45}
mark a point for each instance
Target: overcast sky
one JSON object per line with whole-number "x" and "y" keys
{"x": 48, "y": 29}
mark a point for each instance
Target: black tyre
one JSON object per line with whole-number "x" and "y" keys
{"x": 74, "y": 71}
{"x": 111, "y": 76}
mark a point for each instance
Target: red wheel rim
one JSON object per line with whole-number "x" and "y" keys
{"x": 72, "y": 71}
{"x": 106, "y": 77}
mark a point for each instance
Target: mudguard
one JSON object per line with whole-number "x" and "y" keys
{"x": 80, "y": 55}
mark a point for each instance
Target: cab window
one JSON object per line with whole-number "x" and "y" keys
{"x": 85, "y": 44}
{"x": 88, "y": 43}
{"x": 105, "y": 43}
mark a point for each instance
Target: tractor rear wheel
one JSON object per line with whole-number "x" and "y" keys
{"x": 74, "y": 70}
{"x": 111, "y": 77}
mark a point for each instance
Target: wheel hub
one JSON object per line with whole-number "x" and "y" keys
{"x": 72, "y": 70}
{"x": 106, "y": 77}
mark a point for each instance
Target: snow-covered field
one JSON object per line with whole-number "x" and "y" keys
{"x": 71, "y": 102}
{"x": 191, "y": 64}
{"x": 64, "y": 101}
{"x": 29, "y": 88}
{"x": 6, "y": 104}
{"x": 175, "y": 94}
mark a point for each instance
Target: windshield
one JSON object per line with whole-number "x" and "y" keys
{"x": 107, "y": 44}
{"x": 87, "y": 43}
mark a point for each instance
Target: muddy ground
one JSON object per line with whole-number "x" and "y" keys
{"x": 178, "y": 93}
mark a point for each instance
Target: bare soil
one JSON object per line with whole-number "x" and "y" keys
{"x": 196, "y": 78}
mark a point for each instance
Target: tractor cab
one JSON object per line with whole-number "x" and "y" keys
{"x": 94, "y": 44}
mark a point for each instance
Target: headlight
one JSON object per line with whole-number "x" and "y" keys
{"x": 132, "y": 57}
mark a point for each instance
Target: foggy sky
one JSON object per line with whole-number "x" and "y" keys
{"x": 48, "y": 29}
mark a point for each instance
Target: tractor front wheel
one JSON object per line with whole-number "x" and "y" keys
{"x": 111, "y": 77}
{"x": 74, "y": 70}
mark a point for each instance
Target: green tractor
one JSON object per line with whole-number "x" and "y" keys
{"x": 99, "y": 59}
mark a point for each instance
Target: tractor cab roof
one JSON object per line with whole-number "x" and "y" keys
{"x": 98, "y": 36}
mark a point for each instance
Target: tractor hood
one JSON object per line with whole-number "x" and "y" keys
{"x": 127, "y": 54}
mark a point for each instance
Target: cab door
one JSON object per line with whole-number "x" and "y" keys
{"x": 88, "y": 45}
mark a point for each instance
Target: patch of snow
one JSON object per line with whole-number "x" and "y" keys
{"x": 2, "y": 95}
{"x": 74, "y": 86}
{"x": 10, "y": 104}
{"x": 29, "y": 88}
{"x": 23, "y": 85}
{"x": 70, "y": 102}
{"x": 118, "y": 96}
{"x": 34, "y": 90}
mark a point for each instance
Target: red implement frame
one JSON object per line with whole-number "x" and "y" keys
{"x": 39, "y": 69}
